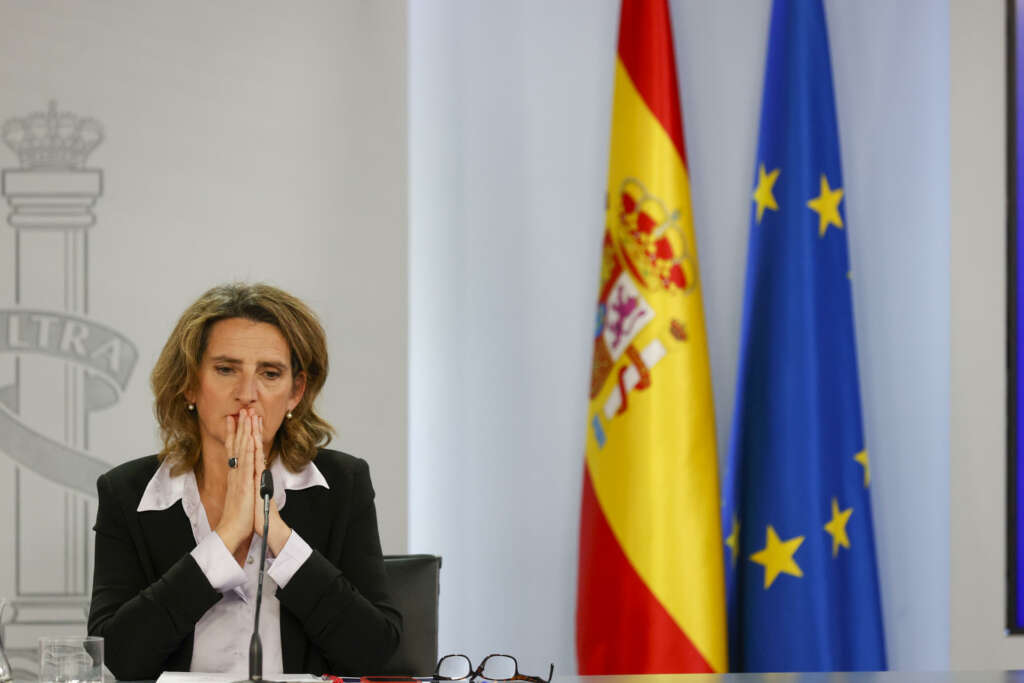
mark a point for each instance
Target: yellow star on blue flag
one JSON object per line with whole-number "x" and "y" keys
{"x": 826, "y": 205}
{"x": 763, "y": 196}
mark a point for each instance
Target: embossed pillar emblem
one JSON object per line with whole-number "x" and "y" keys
{"x": 59, "y": 367}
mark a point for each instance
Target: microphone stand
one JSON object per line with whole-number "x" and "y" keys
{"x": 255, "y": 644}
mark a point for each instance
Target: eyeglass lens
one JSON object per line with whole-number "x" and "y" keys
{"x": 454, "y": 667}
{"x": 498, "y": 668}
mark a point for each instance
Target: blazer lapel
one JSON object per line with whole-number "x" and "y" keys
{"x": 305, "y": 517}
{"x": 168, "y": 537}
{"x": 302, "y": 513}
{"x": 168, "y": 534}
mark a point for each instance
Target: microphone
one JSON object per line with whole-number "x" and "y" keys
{"x": 266, "y": 490}
{"x": 255, "y": 644}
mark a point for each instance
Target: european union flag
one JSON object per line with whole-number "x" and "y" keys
{"x": 800, "y": 555}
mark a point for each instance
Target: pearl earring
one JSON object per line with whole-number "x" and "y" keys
{"x": 289, "y": 416}
{"x": 191, "y": 407}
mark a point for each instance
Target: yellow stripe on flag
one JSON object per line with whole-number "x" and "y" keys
{"x": 656, "y": 474}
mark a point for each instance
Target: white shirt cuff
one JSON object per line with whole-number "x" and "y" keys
{"x": 293, "y": 555}
{"x": 218, "y": 564}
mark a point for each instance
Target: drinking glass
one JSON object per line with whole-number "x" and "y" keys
{"x": 75, "y": 659}
{"x": 6, "y": 675}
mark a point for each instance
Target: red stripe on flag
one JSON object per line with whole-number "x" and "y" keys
{"x": 645, "y": 48}
{"x": 621, "y": 628}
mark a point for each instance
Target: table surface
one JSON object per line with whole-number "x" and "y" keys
{"x": 817, "y": 677}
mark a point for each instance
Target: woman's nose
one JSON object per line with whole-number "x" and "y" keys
{"x": 247, "y": 388}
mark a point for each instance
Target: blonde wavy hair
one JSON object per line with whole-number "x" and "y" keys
{"x": 177, "y": 372}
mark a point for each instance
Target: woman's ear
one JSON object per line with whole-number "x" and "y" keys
{"x": 298, "y": 390}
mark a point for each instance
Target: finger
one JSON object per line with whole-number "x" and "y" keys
{"x": 257, "y": 427}
{"x": 229, "y": 439}
{"x": 239, "y": 423}
{"x": 259, "y": 465}
{"x": 253, "y": 441}
{"x": 244, "y": 446}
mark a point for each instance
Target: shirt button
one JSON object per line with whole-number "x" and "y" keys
{"x": 250, "y": 560}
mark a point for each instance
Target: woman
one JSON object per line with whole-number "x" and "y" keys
{"x": 178, "y": 534}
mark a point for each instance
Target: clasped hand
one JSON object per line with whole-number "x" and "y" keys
{"x": 242, "y": 515}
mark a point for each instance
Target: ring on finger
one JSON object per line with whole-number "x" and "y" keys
{"x": 232, "y": 463}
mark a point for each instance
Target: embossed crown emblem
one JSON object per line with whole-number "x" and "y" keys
{"x": 52, "y": 139}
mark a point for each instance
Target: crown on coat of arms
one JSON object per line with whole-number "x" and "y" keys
{"x": 52, "y": 139}
{"x": 651, "y": 240}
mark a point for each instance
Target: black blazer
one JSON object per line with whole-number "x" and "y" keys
{"x": 148, "y": 592}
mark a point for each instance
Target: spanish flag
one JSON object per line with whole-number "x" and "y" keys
{"x": 651, "y": 588}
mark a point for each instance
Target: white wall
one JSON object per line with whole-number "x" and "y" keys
{"x": 509, "y": 113}
{"x": 257, "y": 141}
{"x": 891, "y": 66}
{"x": 978, "y": 447}
{"x": 509, "y": 124}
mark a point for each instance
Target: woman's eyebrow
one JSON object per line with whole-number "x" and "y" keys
{"x": 262, "y": 364}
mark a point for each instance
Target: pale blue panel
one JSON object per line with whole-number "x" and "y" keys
{"x": 508, "y": 135}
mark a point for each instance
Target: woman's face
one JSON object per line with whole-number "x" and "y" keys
{"x": 246, "y": 365}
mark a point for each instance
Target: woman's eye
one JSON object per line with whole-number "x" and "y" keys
{"x": 223, "y": 369}
{"x": 272, "y": 374}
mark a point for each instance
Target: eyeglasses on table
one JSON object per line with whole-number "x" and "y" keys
{"x": 493, "y": 667}
{"x": 457, "y": 667}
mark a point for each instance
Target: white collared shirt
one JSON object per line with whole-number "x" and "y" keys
{"x": 221, "y": 641}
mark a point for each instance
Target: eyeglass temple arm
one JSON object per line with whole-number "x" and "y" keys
{"x": 536, "y": 679}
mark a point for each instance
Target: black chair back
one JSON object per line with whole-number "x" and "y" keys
{"x": 415, "y": 587}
